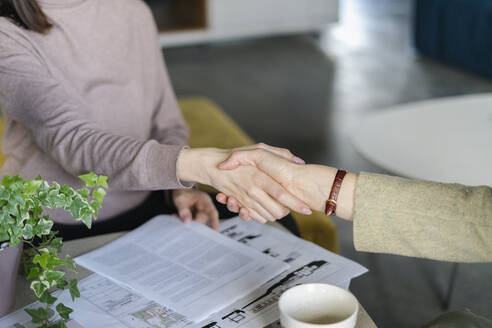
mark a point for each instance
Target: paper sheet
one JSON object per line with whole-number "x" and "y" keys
{"x": 103, "y": 303}
{"x": 189, "y": 268}
{"x": 308, "y": 262}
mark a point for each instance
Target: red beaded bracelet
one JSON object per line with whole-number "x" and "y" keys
{"x": 331, "y": 203}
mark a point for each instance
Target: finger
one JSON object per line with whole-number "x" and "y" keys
{"x": 237, "y": 158}
{"x": 202, "y": 217}
{"x": 213, "y": 221}
{"x": 184, "y": 213}
{"x": 233, "y": 205}
{"x": 282, "y": 152}
{"x": 284, "y": 197}
{"x": 213, "y": 215}
{"x": 270, "y": 209}
{"x": 244, "y": 214}
{"x": 257, "y": 217}
{"x": 258, "y": 201}
{"x": 221, "y": 198}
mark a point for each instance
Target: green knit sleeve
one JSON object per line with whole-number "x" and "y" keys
{"x": 449, "y": 222}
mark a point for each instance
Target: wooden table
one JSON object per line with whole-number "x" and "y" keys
{"x": 25, "y": 296}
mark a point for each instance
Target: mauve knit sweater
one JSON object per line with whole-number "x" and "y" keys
{"x": 92, "y": 94}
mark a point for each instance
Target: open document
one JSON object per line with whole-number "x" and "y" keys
{"x": 308, "y": 262}
{"x": 189, "y": 268}
{"x": 105, "y": 303}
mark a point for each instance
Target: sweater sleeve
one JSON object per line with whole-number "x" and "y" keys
{"x": 54, "y": 118}
{"x": 168, "y": 124}
{"x": 168, "y": 127}
{"x": 449, "y": 222}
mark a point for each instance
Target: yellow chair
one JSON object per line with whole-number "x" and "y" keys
{"x": 211, "y": 127}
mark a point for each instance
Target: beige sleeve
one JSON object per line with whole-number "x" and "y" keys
{"x": 432, "y": 220}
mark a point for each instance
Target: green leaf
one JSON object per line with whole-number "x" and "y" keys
{"x": 75, "y": 207}
{"x": 90, "y": 179}
{"x": 47, "y": 298}
{"x": 4, "y": 193}
{"x": 98, "y": 194}
{"x": 44, "y": 226}
{"x": 39, "y": 315}
{"x": 42, "y": 259}
{"x": 4, "y": 235}
{"x": 61, "y": 284}
{"x": 34, "y": 273}
{"x": 84, "y": 192}
{"x": 70, "y": 264}
{"x": 102, "y": 181}
{"x": 63, "y": 311}
{"x": 74, "y": 290}
{"x": 86, "y": 216}
{"x": 31, "y": 186}
{"x": 66, "y": 190}
{"x": 47, "y": 261}
{"x": 17, "y": 199}
{"x": 39, "y": 287}
{"x": 56, "y": 243}
{"x": 15, "y": 233}
{"x": 52, "y": 277}
{"x": 27, "y": 233}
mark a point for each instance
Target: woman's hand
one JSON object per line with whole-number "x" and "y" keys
{"x": 189, "y": 201}
{"x": 277, "y": 165}
{"x": 265, "y": 199}
{"x": 311, "y": 183}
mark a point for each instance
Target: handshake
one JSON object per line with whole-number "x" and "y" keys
{"x": 265, "y": 183}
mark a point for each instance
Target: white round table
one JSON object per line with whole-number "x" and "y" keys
{"x": 445, "y": 140}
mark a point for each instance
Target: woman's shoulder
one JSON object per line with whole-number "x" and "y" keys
{"x": 131, "y": 12}
{"x": 13, "y": 35}
{"x": 134, "y": 7}
{"x": 8, "y": 28}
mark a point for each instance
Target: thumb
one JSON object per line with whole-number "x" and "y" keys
{"x": 238, "y": 158}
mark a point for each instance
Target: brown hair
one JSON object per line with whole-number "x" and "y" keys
{"x": 26, "y": 13}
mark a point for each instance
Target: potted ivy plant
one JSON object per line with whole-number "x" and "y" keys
{"x": 22, "y": 220}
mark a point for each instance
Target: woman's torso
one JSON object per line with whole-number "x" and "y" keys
{"x": 102, "y": 52}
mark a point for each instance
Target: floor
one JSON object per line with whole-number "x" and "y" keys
{"x": 307, "y": 92}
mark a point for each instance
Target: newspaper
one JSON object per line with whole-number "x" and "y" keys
{"x": 104, "y": 303}
{"x": 183, "y": 266}
{"x": 309, "y": 264}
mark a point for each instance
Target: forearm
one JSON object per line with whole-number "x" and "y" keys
{"x": 423, "y": 219}
{"x": 313, "y": 184}
{"x": 54, "y": 120}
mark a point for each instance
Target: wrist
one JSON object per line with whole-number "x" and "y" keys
{"x": 322, "y": 178}
{"x": 317, "y": 182}
{"x": 196, "y": 165}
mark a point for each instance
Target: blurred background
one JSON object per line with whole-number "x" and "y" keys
{"x": 302, "y": 75}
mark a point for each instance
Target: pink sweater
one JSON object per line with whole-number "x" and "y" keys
{"x": 93, "y": 94}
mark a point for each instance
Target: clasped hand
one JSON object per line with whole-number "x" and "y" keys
{"x": 260, "y": 182}
{"x": 297, "y": 179}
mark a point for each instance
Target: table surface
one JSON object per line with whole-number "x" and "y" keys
{"x": 445, "y": 140}
{"x": 25, "y": 296}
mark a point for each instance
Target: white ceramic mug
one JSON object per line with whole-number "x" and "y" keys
{"x": 318, "y": 305}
